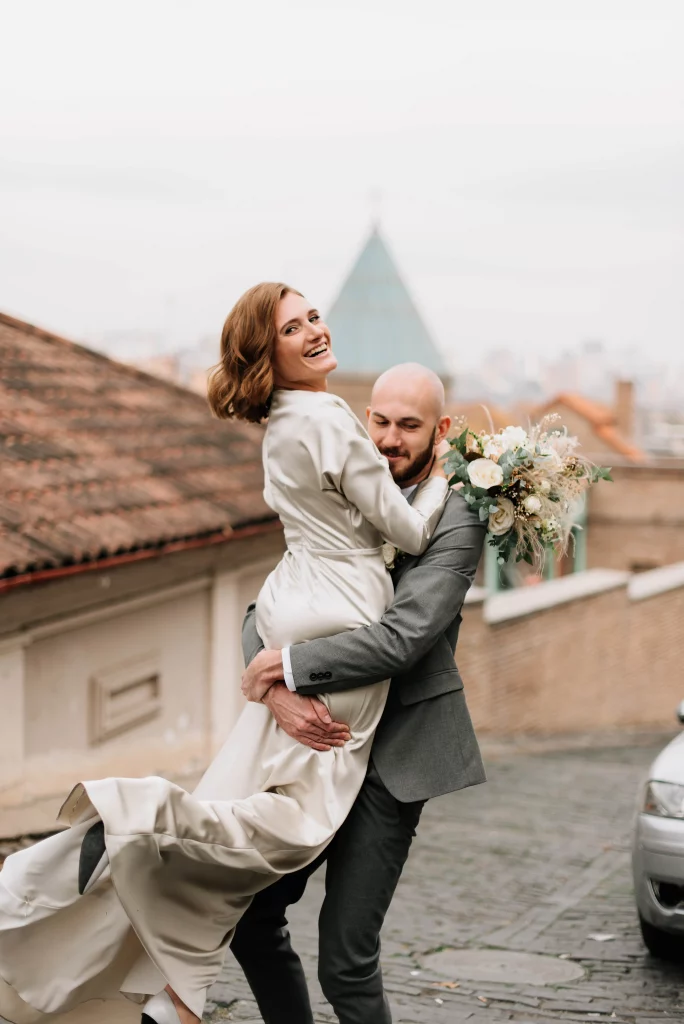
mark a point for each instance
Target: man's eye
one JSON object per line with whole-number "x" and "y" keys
{"x": 314, "y": 318}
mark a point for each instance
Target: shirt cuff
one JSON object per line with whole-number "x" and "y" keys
{"x": 287, "y": 669}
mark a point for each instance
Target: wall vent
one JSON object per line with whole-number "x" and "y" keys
{"x": 124, "y": 696}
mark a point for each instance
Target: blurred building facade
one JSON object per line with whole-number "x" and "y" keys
{"x": 133, "y": 534}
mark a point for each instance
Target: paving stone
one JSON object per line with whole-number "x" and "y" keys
{"x": 502, "y": 965}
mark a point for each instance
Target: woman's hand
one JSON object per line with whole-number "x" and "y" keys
{"x": 442, "y": 449}
{"x": 260, "y": 675}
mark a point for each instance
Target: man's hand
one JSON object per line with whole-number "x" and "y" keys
{"x": 259, "y": 676}
{"x": 305, "y": 719}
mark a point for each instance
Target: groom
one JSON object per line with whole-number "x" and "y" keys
{"x": 424, "y": 745}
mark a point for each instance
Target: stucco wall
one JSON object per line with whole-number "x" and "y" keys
{"x": 160, "y": 670}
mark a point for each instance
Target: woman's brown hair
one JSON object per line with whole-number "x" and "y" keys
{"x": 241, "y": 383}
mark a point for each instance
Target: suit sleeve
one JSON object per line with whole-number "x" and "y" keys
{"x": 349, "y": 463}
{"x": 428, "y": 597}
{"x": 251, "y": 641}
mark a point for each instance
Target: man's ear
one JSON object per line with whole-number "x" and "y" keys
{"x": 443, "y": 426}
{"x": 368, "y": 412}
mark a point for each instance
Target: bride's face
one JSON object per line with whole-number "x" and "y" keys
{"x": 303, "y": 355}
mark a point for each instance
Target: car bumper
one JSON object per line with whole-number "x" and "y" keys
{"x": 658, "y": 857}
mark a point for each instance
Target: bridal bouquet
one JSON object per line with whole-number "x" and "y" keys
{"x": 526, "y": 484}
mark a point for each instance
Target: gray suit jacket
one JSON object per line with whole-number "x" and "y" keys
{"x": 425, "y": 744}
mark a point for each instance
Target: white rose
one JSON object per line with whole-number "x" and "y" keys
{"x": 514, "y": 437}
{"x": 562, "y": 443}
{"x": 502, "y": 520}
{"x": 493, "y": 448}
{"x": 485, "y": 473}
{"x": 545, "y": 487}
{"x": 532, "y": 504}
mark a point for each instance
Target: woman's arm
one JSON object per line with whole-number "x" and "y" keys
{"x": 350, "y": 463}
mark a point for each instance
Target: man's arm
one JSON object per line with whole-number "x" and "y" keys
{"x": 410, "y": 626}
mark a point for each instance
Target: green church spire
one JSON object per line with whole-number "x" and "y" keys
{"x": 374, "y": 323}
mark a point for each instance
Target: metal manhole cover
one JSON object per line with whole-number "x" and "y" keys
{"x": 501, "y": 965}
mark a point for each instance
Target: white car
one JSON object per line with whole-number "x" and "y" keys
{"x": 658, "y": 852}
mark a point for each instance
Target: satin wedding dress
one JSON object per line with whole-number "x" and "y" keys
{"x": 184, "y": 867}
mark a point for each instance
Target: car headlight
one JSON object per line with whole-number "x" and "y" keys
{"x": 666, "y": 799}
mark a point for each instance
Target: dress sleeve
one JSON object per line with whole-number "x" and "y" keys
{"x": 350, "y": 463}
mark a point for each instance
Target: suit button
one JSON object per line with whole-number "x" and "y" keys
{"x": 328, "y": 675}
{"x": 313, "y": 677}
{"x": 320, "y": 676}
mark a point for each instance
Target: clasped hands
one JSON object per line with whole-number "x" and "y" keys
{"x": 305, "y": 719}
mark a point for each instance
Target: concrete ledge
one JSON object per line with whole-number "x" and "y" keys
{"x": 514, "y": 604}
{"x": 656, "y": 581}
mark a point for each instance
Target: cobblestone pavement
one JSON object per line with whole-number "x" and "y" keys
{"x": 537, "y": 861}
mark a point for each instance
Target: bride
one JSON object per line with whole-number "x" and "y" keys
{"x": 142, "y": 893}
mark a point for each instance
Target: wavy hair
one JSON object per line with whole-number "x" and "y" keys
{"x": 240, "y": 385}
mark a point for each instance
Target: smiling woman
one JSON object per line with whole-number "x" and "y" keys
{"x": 272, "y": 337}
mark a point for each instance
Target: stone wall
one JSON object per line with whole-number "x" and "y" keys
{"x": 595, "y": 651}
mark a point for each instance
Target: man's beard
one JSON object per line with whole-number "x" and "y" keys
{"x": 416, "y": 465}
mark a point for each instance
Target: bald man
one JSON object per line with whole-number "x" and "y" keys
{"x": 424, "y": 745}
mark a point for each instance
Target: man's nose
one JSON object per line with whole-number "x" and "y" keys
{"x": 392, "y": 437}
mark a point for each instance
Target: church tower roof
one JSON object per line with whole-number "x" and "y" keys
{"x": 374, "y": 322}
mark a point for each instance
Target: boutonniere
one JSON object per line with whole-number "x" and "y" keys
{"x": 393, "y": 556}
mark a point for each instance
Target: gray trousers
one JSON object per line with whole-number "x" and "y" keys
{"x": 364, "y": 864}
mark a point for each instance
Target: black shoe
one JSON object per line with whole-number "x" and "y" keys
{"x": 93, "y": 849}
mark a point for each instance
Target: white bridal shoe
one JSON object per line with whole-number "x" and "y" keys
{"x": 160, "y": 1010}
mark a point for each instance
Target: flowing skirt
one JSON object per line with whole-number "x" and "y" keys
{"x": 183, "y": 867}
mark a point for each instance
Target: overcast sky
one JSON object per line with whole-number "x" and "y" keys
{"x": 157, "y": 158}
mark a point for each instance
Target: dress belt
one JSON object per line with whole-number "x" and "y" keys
{"x": 341, "y": 553}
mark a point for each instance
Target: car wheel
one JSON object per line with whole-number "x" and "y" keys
{"x": 662, "y": 944}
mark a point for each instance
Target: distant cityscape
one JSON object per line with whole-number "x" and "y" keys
{"x": 504, "y": 379}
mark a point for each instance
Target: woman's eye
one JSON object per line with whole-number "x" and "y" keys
{"x": 289, "y": 330}
{"x": 314, "y": 318}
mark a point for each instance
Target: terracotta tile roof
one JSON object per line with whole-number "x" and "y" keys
{"x": 98, "y": 459}
{"x": 601, "y": 420}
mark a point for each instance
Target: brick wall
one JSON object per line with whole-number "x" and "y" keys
{"x": 582, "y": 660}
{"x": 637, "y": 522}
